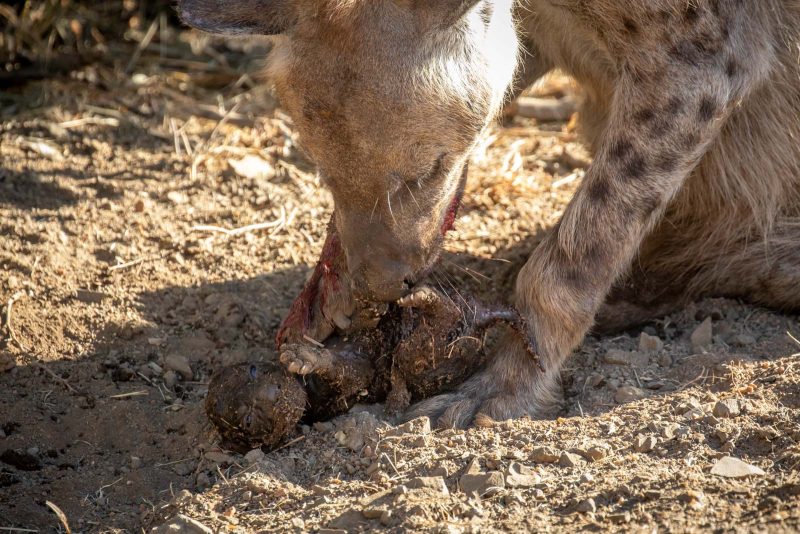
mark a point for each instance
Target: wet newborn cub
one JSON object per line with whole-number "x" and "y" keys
{"x": 425, "y": 344}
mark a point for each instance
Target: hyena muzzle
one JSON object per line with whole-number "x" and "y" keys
{"x": 692, "y": 110}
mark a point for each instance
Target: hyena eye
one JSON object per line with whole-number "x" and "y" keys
{"x": 435, "y": 170}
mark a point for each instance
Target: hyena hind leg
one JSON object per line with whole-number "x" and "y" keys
{"x": 765, "y": 272}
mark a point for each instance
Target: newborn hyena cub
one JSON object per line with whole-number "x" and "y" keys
{"x": 691, "y": 110}
{"x": 425, "y": 344}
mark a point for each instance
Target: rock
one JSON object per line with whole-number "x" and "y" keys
{"x": 568, "y": 459}
{"x": 694, "y": 415}
{"x": 474, "y": 466}
{"x": 432, "y": 483}
{"x": 731, "y": 467}
{"x": 520, "y": 476}
{"x": 179, "y": 364}
{"x": 176, "y": 197}
{"x": 170, "y": 379}
{"x": 372, "y": 513}
{"x": 252, "y": 167}
{"x": 743, "y": 340}
{"x": 594, "y": 453}
{"x": 420, "y": 425}
{"x": 621, "y": 517}
{"x": 624, "y": 357}
{"x": 586, "y": 478}
{"x": 586, "y": 506}
{"x": 181, "y": 524}
{"x": 665, "y": 360}
{"x": 522, "y": 481}
{"x": 695, "y": 499}
{"x": 670, "y": 431}
{"x": 136, "y": 462}
{"x": 648, "y": 343}
{"x": 355, "y": 430}
{"x": 702, "y": 336}
{"x": 386, "y": 518}
{"x": 482, "y": 483}
{"x": 255, "y": 456}
{"x": 688, "y": 405}
{"x": 323, "y": 426}
{"x": 727, "y": 408}
{"x": 546, "y": 455}
{"x": 644, "y": 443}
{"x": 595, "y": 380}
{"x": 626, "y": 394}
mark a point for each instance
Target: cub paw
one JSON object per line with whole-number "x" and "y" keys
{"x": 305, "y": 359}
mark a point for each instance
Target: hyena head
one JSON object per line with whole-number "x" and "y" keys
{"x": 389, "y": 97}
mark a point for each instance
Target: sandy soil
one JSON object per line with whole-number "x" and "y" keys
{"x": 118, "y": 303}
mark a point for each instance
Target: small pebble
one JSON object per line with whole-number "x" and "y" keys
{"x": 386, "y": 518}
{"x": 731, "y": 467}
{"x": 727, "y": 408}
{"x": 482, "y": 484}
{"x": 586, "y": 506}
{"x": 372, "y": 513}
{"x": 179, "y": 364}
{"x": 594, "y": 453}
{"x": 648, "y": 343}
{"x": 626, "y": 394}
{"x": 568, "y": 459}
{"x": 702, "y": 336}
{"x": 434, "y": 483}
{"x": 545, "y": 455}
{"x": 644, "y": 443}
{"x": 743, "y": 340}
{"x": 170, "y": 379}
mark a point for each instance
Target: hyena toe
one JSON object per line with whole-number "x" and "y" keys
{"x": 450, "y": 410}
{"x": 500, "y": 408}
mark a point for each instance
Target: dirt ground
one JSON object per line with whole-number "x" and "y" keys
{"x": 128, "y": 273}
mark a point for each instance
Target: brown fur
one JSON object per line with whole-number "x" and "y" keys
{"x": 692, "y": 110}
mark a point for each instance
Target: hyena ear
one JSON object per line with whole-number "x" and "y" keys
{"x": 238, "y": 17}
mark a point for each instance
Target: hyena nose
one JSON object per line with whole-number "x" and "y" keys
{"x": 381, "y": 280}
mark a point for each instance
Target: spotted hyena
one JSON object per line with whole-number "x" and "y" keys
{"x": 692, "y": 111}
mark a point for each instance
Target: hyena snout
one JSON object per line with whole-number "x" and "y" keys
{"x": 379, "y": 274}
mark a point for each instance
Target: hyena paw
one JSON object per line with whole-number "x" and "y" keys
{"x": 450, "y": 410}
{"x": 305, "y": 359}
{"x": 512, "y": 386}
{"x": 459, "y": 410}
